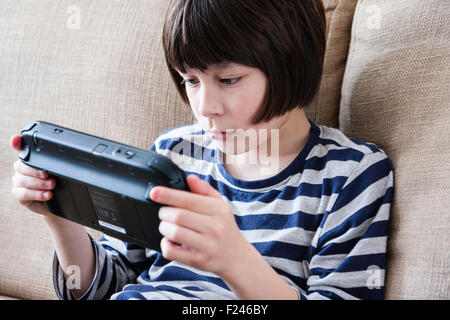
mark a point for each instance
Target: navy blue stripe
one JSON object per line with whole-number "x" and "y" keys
{"x": 377, "y": 229}
{"x": 355, "y": 220}
{"x": 363, "y": 293}
{"x": 278, "y": 249}
{"x": 299, "y": 281}
{"x": 193, "y": 288}
{"x": 328, "y": 294}
{"x": 174, "y": 273}
{"x": 139, "y": 288}
{"x": 127, "y": 295}
{"x": 319, "y": 163}
{"x": 299, "y": 219}
{"x": 366, "y": 293}
{"x": 327, "y": 188}
{"x": 175, "y": 290}
{"x": 372, "y": 174}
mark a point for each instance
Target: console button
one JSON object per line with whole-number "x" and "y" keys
{"x": 99, "y": 149}
{"x": 25, "y": 153}
{"x": 129, "y": 154}
{"x": 147, "y": 192}
{"x": 28, "y": 127}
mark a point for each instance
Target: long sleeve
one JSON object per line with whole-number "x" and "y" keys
{"x": 348, "y": 256}
{"x": 117, "y": 264}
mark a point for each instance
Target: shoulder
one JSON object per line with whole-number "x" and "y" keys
{"x": 333, "y": 144}
{"x": 186, "y": 145}
{"x": 184, "y": 134}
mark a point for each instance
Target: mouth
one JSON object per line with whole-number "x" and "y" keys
{"x": 221, "y": 135}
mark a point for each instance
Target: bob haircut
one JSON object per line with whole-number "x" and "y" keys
{"x": 285, "y": 39}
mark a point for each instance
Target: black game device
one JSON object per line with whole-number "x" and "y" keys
{"x": 101, "y": 184}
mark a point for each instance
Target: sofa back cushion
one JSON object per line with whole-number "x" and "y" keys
{"x": 325, "y": 107}
{"x": 98, "y": 67}
{"x": 396, "y": 93}
{"x": 105, "y": 76}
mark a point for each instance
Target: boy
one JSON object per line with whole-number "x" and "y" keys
{"x": 312, "y": 227}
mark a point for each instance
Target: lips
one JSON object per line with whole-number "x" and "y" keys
{"x": 220, "y": 135}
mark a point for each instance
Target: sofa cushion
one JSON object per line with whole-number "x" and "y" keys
{"x": 107, "y": 78}
{"x": 96, "y": 66}
{"x": 325, "y": 107}
{"x": 396, "y": 93}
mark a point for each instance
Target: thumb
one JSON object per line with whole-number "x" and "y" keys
{"x": 16, "y": 142}
{"x": 202, "y": 187}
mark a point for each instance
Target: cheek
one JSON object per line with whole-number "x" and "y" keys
{"x": 245, "y": 105}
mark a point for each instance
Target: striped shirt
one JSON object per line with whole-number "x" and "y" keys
{"x": 321, "y": 223}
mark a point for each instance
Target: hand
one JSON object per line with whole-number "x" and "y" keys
{"x": 30, "y": 186}
{"x": 198, "y": 227}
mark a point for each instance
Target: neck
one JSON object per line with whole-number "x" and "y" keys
{"x": 280, "y": 147}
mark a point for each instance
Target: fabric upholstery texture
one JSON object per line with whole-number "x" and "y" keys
{"x": 325, "y": 107}
{"x": 396, "y": 93}
{"x": 108, "y": 78}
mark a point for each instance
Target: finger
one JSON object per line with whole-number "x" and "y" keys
{"x": 16, "y": 142}
{"x": 175, "y": 252}
{"x": 183, "y": 199}
{"x": 189, "y": 200}
{"x": 25, "y": 170}
{"x": 32, "y": 183}
{"x": 23, "y": 195}
{"x": 202, "y": 187}
{"x": 185, "y": 218}
{"x": 183, "y": 236}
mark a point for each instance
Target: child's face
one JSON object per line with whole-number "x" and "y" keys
{"x": 225, "y": 98}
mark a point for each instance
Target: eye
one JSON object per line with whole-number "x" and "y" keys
{"x": 189, "y": 82}
{"x": 230, "y": 81}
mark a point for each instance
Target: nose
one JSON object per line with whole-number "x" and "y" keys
{"x": 210, "y": 104}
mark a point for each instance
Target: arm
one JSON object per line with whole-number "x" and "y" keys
{"x": 73, "y": 248}
{"x": 30, "y": 188}
{"x": 349, "y": 248}
{"x": 349, "y": 257}
{"x": 211, "y": 241}
{"x": 254, "y": 279}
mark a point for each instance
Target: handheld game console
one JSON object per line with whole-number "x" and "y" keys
{"x": 101, "y": 184}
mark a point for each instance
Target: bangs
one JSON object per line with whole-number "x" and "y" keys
{"x": 199, "y": 35}
{"x": 284, "y": 39}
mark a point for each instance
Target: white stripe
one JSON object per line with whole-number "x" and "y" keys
{"x": 208, "y": 288}
{"x": 339, "y": 137}
{"x": 351, "y": 279}
{"x": 308, "y": 205}
{"x": 369, "y": 195}
{"x": 382, "y": 214}
{"x": 339, "y": 292}
{"x": 295, "y": 235}
{"x": 155, "y": 271}
{"x": 291, "y": 267}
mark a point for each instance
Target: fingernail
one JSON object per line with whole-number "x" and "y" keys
{"x": 155, "y": 194}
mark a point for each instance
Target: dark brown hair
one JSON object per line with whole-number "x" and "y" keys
{"x": 283, "y": 38}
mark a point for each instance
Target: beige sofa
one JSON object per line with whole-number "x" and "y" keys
{"x": 97, "y": 66}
